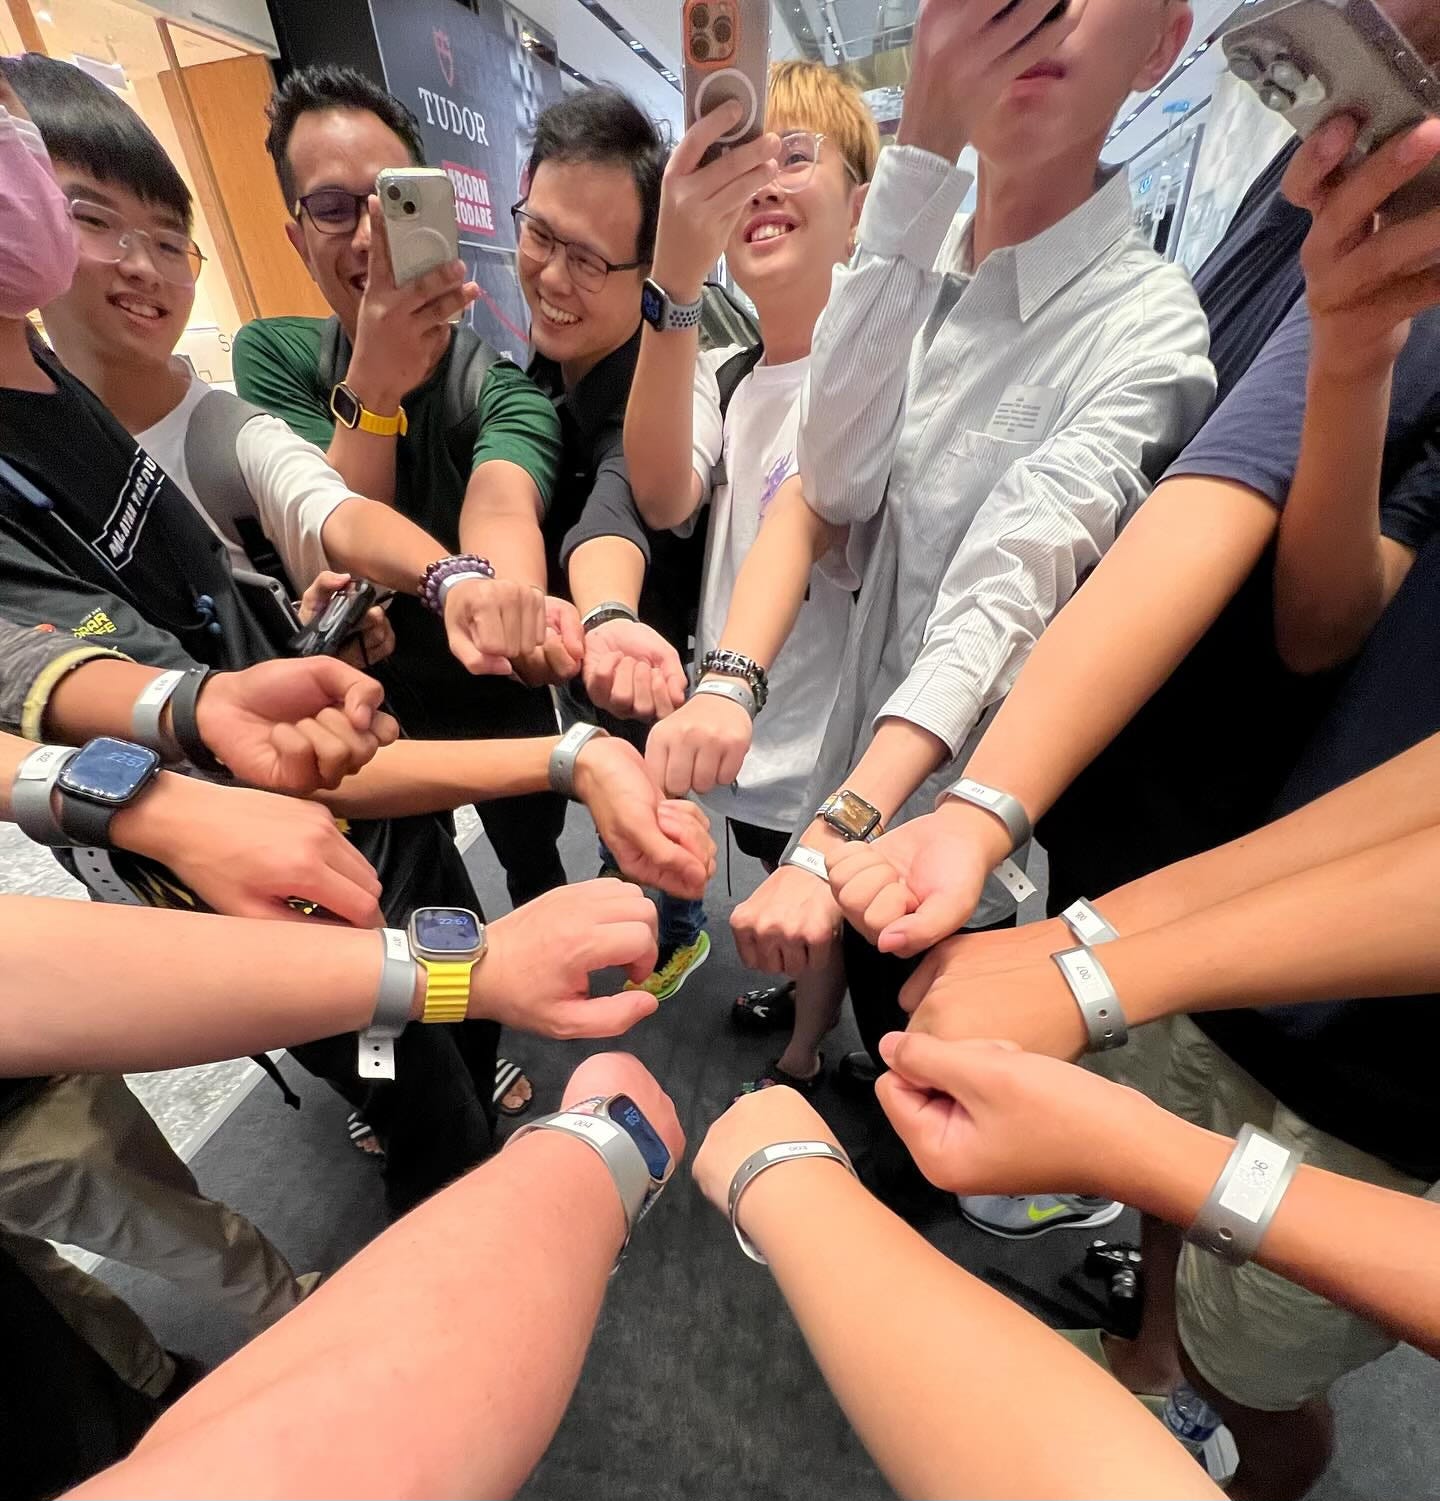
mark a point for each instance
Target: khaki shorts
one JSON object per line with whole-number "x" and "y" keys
{"x": 1262, "y": 1341}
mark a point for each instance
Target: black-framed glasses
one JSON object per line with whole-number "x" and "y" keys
{"x": 333, "y": 211}
{"x": 537, "y": 242}
{"x": 799, "y": 152}
{"x": 108, "y": 237}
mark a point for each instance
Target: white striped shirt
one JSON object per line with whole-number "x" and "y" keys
{"x": 984, "y": 435}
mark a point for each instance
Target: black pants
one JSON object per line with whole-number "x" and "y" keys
{"x": 875, "y": 982}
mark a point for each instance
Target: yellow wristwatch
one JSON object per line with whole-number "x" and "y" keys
{"x": 449, "y": 942}
{"x": 350, "y": 412}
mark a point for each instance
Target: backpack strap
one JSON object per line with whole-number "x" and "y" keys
{"x": 728, "y": 378}
{"x": 722, "y": 319}
{"x": 332, "y": 339}
{"x": 219, "y": 481}
{"x": 470, "y": 365}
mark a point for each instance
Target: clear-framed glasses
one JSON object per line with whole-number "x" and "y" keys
{"x": 537, "y": 242}
{"x": 333, "y": 211}
{"x": 105, "y": 236}
{"x": 799, "y": 152}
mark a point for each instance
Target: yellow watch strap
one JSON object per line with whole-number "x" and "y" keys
{"x": 447, "y": 992}
{"x": 384, "y": 427}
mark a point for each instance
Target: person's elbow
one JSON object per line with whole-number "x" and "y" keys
{"x": 665, "y": 502}
{"x": 1310, "y": 644}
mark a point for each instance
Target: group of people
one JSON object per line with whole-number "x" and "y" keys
{"x": 1001, "y": 527}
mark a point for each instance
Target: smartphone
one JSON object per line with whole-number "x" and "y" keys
{"x": 725, "y": 54}
{"x": 1311, "y": 60}
{"x": 337, "y": 622}
{"x": 419, "y": 208}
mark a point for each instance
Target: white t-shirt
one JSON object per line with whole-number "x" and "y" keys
{"x": 760, "y": 452}
{"x": 295, "y": 488}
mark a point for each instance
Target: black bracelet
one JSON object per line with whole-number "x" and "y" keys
{"x": 732, "y": 664}
{"x": 185, "y": 724}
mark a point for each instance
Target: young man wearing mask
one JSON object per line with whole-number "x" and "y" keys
{"x": 986, "y": 405}
{"x": 585, "y": 231}
{"x": 782, "y": 235}
{"x": 479, "y": 481}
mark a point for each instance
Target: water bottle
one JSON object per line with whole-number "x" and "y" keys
{"x": 1191, "y": 1419}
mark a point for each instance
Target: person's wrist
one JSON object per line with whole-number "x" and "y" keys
{"x": 163, "y": 820}
{"x": 824, "y": 839}
{"x": 1160, "y": 1164}
{"x": 579, "y": 1179}
{"x": 977, "y": 826}
{"x": 373, "y": 390}
{"x": 679, "y": 281}
{"x": 930, "y": 122}
{"x": 487, "y": 978}
{"x": 588, "y": 768}
{"x": 795, "y": 1193}
{"x": 1338, "y": 360}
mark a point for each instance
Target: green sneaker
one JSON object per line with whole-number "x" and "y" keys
{"x": 675, "y": 969}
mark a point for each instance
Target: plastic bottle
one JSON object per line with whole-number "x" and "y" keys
{"x": 1191, "y": 1418}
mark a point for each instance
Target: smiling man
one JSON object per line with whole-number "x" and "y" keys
{"x": 465, "y": 448}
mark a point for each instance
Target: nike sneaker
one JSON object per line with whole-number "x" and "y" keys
{"x": 674, "y": 968}
{"x": 1025, "y": 1217}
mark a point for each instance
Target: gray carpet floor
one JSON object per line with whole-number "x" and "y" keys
{"x": 697, "y": 1384}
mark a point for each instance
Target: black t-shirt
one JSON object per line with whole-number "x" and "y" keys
{"x": 1252, "y": 278}
{"x": 1203, "y": 761}
{"x": 1363, "y": 1070}
{"x": 593, "y": 496}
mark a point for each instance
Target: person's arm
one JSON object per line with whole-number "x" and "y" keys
{"x": 906, "y": 1339}
{"x": 33, "y": 663}
{"x": 659, "y": 843}
{"x": 1335, "y": 571}
{"x": 981, "y": 1119}
{"x": 183, "y": 987}
{"x": 411, "y": 1316}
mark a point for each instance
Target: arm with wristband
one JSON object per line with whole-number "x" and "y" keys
{"x": 980, "y": 1117}
{"x": 906, "y": 1338}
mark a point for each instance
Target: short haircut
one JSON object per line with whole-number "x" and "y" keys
{"x": 810, "y": 96}
{"x": 88, "y": 126}
{"x": 604, "y": 125}
{"x": 328, "y": 86}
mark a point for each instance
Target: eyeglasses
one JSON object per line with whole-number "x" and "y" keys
{"x": 332, "y": 211}
{"x": 106, "y": 237}
{"x": 799, "y": 152}
{"x": 537, "y": 242}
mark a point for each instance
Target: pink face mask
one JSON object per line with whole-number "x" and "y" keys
{"x": 38, "y": 253}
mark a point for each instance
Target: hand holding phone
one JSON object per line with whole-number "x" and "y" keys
{"x": 726, "y": 59}
{"x": 337, "y": 622}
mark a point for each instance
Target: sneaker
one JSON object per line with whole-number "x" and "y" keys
{"x": 1025, "y": 1217}
{"x": 675, "y": 967}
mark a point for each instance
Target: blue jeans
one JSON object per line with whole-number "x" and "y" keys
{"x": 682, "y": 919}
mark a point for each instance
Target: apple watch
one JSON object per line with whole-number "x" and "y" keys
{"x": 448, "y": 942}
{"x": 665, "y": 315}
{"x": 106, "y": 776}
{"x": 851, "y": 816}
{"x": 349, "y": 411}
{"x": 631, "y": 1148}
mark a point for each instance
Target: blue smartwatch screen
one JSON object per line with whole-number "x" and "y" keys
{"x": 447, "y": 930}
{"x": 626, "y": 1114}
{"x": 109, "y": 771}
{"x": 652, "y": 304}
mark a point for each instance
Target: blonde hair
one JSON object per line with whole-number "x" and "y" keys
{"x": 810, "y": 96}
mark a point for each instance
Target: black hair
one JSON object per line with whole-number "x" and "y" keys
{"x": 329, "y": 86}
{"x": 89, "y": 126}
{"x": 602, "y": 124}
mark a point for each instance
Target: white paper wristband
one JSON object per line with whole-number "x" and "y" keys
{"x": 1233, "y": 1220}
{"x": 1087, "y": 925}
{"x": 1095, "y": 995}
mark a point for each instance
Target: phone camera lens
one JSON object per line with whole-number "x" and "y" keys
{"x": 722, "y": 31}
{"x": 1247, "y": 67}
{"x": 700, "y": 48}
{"x": 700, "y": 17}
{"x": 393, "y": 193}
{"x": 409, "y": 206}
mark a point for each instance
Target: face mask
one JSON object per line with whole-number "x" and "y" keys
{"x": 38, "y": 253}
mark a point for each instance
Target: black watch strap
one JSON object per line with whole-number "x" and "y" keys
{"x": 186, "y": 725}
{"x": 85, "y": 823}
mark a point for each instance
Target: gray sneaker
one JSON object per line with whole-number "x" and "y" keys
{"x": 1024, "y": 1218}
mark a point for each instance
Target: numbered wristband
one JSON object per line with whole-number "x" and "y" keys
{"x": 736, "y": 690}
{"x": 1233, "y": 1220}
{"x": 32, "y": 791}
{"x": 1095, "y": 996}
{"x": 802, "y": 857}
{"x": 393, "y": 1005}
{"x": 1009, "y": 810}
{"x": 566, "y": 753}
{"x": 147, "y": 717}
{"x": 761, "y": 1162}
{"x": 604, "y": 613}
{"x": 466, "y": 563}
{"x": 1086, "y": 925}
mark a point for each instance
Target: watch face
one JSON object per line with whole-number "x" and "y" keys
{"x": 110, "y": 771}
{"x": 345, "y": 405}
{"x": 445, "y": 930}
{"x": 627, "y": 1115}
{"x": 852, "y": 814}
{"x": 652, "y": 304}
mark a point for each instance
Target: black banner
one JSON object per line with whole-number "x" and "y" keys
{"x": 477, "y": 91}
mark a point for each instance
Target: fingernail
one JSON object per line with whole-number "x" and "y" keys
{"x": 1419, "y": 146}
{"x": 1337, "y": 134}
{"x": 889, "y": 1044}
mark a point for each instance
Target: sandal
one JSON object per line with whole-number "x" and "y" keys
{"x": 508, "y": 1078}
{"x": 768, "y": 1009}
{"x": 773, "y": 1074}
{"x": 362, "y": 1136}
